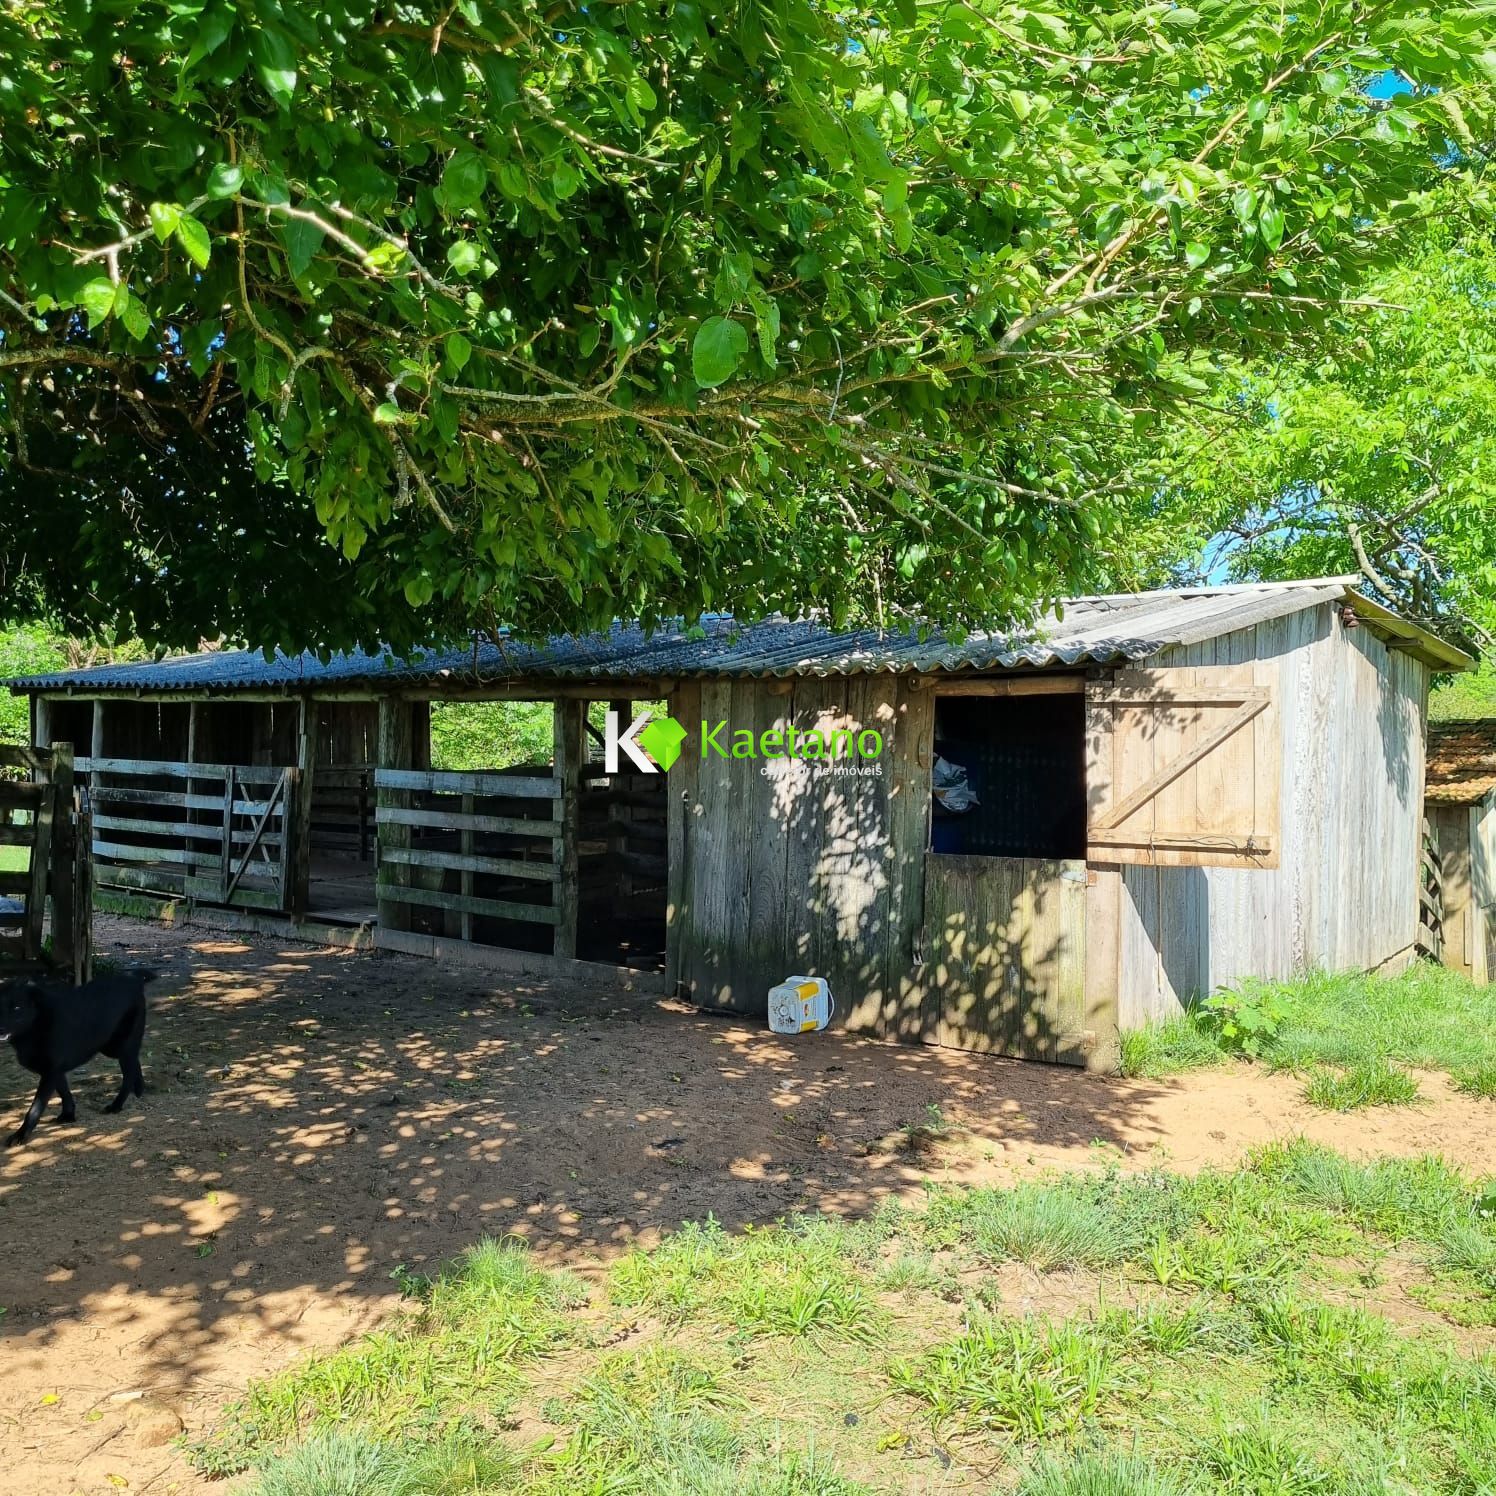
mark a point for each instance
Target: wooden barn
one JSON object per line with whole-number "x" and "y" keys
{"x": 1019, "y": 843}
{"x": 1461, "y": 808}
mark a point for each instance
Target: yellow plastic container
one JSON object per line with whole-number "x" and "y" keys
{"x": 800, "y": 1005}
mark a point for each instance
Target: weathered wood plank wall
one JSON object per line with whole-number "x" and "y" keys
{"x": 1350, "y": 714}
{"x": 802, "y": 868}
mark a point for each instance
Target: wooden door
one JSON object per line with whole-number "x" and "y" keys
{"x": 1182, "y": 768}
{"x": 1005, "y": 956}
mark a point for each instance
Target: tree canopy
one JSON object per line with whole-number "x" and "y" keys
{"x": 1374, "y": 455}
{"x": 510, "y": 312}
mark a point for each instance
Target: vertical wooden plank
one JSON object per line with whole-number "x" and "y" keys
{"x": 717, "y": 856}
{"x": 41, "y": 721}
{"x": 618, "y": 840}
{"x": 297, "y": 820}
{"x": 569, "y": 747}
{"x": 394, "y": 752}
{"x": 769, "y": 918}
{"x": 62, "y": 875}
{"x": 804, "y": 899}
{"x": 226, "y": 853}
{"x": 908, "y": 757}
{"x": 83, "y": 952}
{"x": 291, "y": 793}
{"x": 41, "y": 866}
{"x": 465, "y": 880}
{"x": 684, "y": 704}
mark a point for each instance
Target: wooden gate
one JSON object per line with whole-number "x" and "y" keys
{"x": 43, "y": 821}
{"x": 1005, "y": 956}
{"x": 218, "y": 833}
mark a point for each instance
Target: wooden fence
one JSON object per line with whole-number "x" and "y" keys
{"x": 46, "y": 816}
{"x": 471, "y": 856}
{"x": 220, "y": 833}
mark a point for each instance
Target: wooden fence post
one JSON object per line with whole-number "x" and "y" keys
{"x": 65, "y": 849}
{"x": 298, "y": 826}
{"x": 570, "y": 746}
{"x": 396, "y": 748}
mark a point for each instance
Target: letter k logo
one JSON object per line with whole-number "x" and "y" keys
{"x": 660, "y": 738}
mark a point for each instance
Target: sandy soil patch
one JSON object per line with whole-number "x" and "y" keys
{"x": 316, "y": 1119}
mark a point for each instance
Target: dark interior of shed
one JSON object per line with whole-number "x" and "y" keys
{"x": 1025, "y": 776}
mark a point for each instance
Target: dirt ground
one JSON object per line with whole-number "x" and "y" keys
{"x": 315, "y": 1119}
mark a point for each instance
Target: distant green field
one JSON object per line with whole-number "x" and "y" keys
{"x": 1472, "y": 695}
{"x": 13, "y": 859}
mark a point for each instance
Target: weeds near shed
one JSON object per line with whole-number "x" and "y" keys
{"x": 1168, "y": 1048}
{"x": 1428, "y": 1017}
{"x": 1366, "y": 1083}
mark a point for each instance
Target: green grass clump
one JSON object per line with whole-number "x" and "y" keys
{"x": 1399, "y": 1197}
{"x": 350, "y": 1462}
{"x": 1170, "y": 1047}
{"x": 1366, "y": 1083}
{"x": 1478, "y": 1080}
{"x": 1074, "y": 1221}
{"x": 1097, "y": 1474}
{"x": 798, "y": 1279}
{"x": 1027, "y": 1376}
{"x": 655, "y": 1422}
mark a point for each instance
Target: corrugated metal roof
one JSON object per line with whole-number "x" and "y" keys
{"x": 1087, "y": 630}
{"x": 1461, "y": 762}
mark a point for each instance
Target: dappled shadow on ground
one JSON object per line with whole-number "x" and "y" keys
{"x": 316, "y": 1119}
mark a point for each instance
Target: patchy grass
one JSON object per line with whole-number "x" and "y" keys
{"x": 14, "y": 859}
{"x": 1428, "y": 1017}
{"x": 1191, "y": 1347}
{"x": 1477, "y": 1080}
{"x": 1373, "y": 1082}
{"x": 1170, "y": 1047}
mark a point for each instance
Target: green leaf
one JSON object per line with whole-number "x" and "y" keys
{"x": 716, "y": 351}
{"x": 463, "y": 181}
{"x": 458, "y": 351}
{"x": 193, "y": 238}
{"x": 164, "y": 217}
{"x": 387, "y": 413}
{"x": 132, "y": 314}
{"x": 225, "y": 179}
{"x": 565, "y": 180}
{"x": 97, "y": 299}
{"x": 302, "y": 241}
{"x": 464, "y": 256}
{"x": 1333, "y": 82}
{"x": 1270, "y": 221}
{"x": 1196, "y": 254}
{"x": 275, "y": 62}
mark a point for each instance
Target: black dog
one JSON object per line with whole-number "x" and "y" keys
{"x": 54, "y": 1029}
